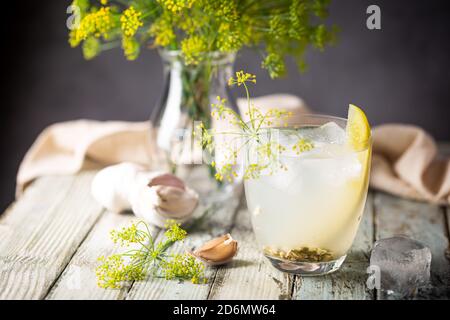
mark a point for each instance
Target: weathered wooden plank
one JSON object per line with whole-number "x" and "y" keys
{"x": 218, "y": 223}
{"x": 423, "y": 222}
{"x": 45, "y": 229}
{"x": 27, "y": 212}
{"x": 250, "y": 275}
{"x": 350, "y": 281}
{"x": 79, "y": 280}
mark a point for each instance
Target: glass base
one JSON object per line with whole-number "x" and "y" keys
{"x": 307, "y": 268}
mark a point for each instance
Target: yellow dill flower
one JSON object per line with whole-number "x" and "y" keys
{"x": 104, "y": 2}
{"x": 131, "y": 48}
{"x": 274, "y": 64}
{"x": 176, "y": 6}
{"x": 97, "y": 24}
{"x": 184, "y": 266}
{"x": 302, "y": 145}
{"x": 193, "y": 48}
{"x": 127, "y": 235}
{"x": 241, "y": 78}
{"x": 174, "y": 231}
{"x": 73, "y": 41}
{"x": 162, "y": 30}
{"x": 113, "y": 271}
{"x": 228, "y": 39}
{"x": 130, "y": 21}
{"x": 91, "y": 48}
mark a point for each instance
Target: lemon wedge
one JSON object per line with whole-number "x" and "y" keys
{"x": 358, "y": 128}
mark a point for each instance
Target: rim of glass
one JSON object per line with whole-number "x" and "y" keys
{"x": 298, "y": 124}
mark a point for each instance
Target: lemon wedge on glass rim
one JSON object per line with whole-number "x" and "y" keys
{"x": 358, "y": 128}
{"x": 358, "y": 138}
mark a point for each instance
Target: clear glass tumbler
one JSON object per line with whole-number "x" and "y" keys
{"x": 305, "y": 215}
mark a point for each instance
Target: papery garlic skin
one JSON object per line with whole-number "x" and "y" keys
{"x": 111, "y": 186}
{"x": 217, "y": 251}
{"x": 153, "y": 196}
{"x": 159, "y": 203}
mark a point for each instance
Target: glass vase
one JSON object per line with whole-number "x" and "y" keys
{"x": 188, "y": 92}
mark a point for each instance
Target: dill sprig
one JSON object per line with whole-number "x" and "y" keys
{"x": 147, "y": 258}
{"x": 249, "y": 137}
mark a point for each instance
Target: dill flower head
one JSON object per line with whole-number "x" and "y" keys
{"x": 174, "y": 232}
{"x": 241, "y": 78}
{"x": 131, "y": 48}
{"x": 274, "y": 64}
{"x": 302, "y": 145}
{"x": 113, "y": 271}
{"x": 162, "y": 30}
{"x": 228, "y": 38}
{"x": 128, "y": 235}
{"x": 277, "y": 27}
{"x": 175, "y": 6}
{"x": 98, "y": 24}
{"x": 193, "y": 49}
{"x": 130, "y": 21}
{"x": 91, "y": 48}
{"x": 184, "y": 266}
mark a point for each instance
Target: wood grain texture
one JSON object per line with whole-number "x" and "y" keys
{"x": 420, "y": 221}
{"x": 45, "y": 228}
{"x": 79, "y": 280}
{"x": 348, "y": 283}
{"x": 250, "y": 275}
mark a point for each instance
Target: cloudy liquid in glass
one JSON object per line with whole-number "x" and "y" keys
{"x": 318, "y": 201}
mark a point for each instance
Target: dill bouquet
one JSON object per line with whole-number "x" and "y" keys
{"x": 275, "y": 28}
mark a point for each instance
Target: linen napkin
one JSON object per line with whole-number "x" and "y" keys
{"x": 405, "y": 160}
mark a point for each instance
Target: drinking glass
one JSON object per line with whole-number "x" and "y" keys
{"x": 306, "y": 209}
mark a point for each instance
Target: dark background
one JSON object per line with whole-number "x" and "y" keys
{"x": 397, "y": 74}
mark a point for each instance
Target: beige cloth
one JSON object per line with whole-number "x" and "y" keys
{"x": 68, "y": 147}
{"x": 404, "y": 163}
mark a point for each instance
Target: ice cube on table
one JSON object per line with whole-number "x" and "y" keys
{"x": 404, "y": 266}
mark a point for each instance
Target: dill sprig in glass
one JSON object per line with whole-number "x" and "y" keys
{"x": 147, "y": 258}
{"x": 252, "y": 134}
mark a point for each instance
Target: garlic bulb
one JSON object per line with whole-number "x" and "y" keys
{"x": 154, "y": 196}
{"x": 217, "y": 251}
{"x": 112, "y": 184}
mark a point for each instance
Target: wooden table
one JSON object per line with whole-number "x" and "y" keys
{"x": 51, "y": 238}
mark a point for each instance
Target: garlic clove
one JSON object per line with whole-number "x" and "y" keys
{"x": 175, "y": 200}
{"x": 167, "y": 179}
{"x": 217, "y": 251}
{"x": 159, "y": 197}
